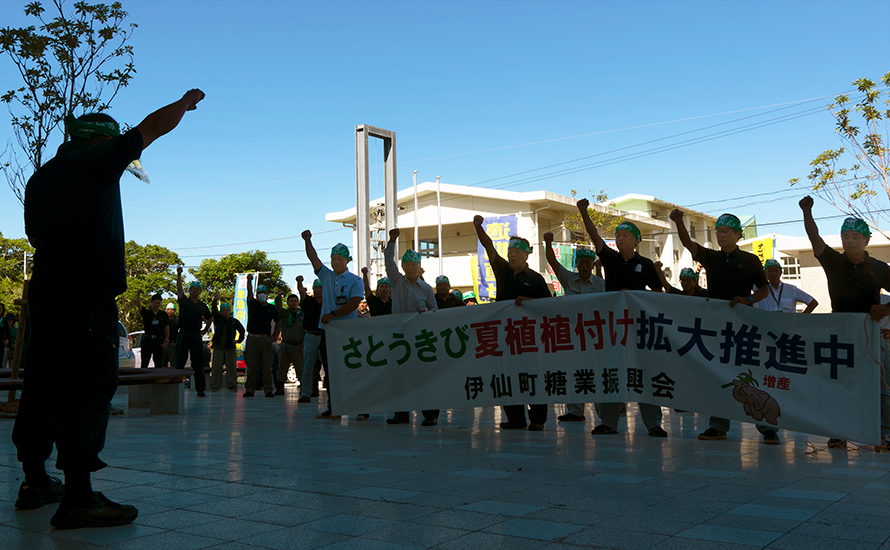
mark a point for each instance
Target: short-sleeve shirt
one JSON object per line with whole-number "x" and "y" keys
{"x": 260, "y": 316}
{"x": 730, "y": 275}
{"x": 337, "y": 290}
{"x": 853, "y": 288}
{"x": 192, "y": 315}
{"x": 784, "y": 299}
{"x": 378, "y": 307}
{"x": 511, "y": 285}
{"x": 637, "y": 273}
{"x": 154, "y": 322}
{"x": 173, "y": 323}
{"x": 225, "y": 331}
{"x": 451, "y": 301}
{"x": 311, "y": 313}
{"x": 699, "y": 291}
{"x": 73, "y": 214}
{"x": 292, "y": 330}
{"x": 572, "y": 284}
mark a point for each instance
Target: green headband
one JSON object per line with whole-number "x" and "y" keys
{"x": 456, "y": 293}
{"x": 85, "y": 129}
{"x": 383, "y": 281}
{"x": 469, "y": 295}
{"x": 411, "y": 256}
{"x": 516, "y": 242}
{"x": 687, "y": 272}
{"x": 340, "y": 250}
{"x": 729, "y": 221}
{"x": 195, "y": 284}
{"x": 442, "y": 279}
{"x": 585, "y": 253}
{"x": 627, "y": 226}
{"x": 224, "y": 305}
{"x": 857, "y": 225}
{"x": 262, "y": 288}
{"x": 316, "y": 283}
{"x": 772, "y": 263}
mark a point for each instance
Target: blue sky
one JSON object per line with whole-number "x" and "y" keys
{"x": 271, "y": 149}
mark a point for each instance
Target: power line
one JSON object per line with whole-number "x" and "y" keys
{"x": 256, "y": 242}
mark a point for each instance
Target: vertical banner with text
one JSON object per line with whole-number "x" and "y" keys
{"x": 239, "y": 307}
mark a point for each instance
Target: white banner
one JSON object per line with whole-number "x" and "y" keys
{"x": 816, "y": 374}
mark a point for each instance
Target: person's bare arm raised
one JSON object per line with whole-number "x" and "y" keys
{"x": 691, "y": 246}
{"x": 806, "y": 204}
{"x": 167, "y": 118}
{"x": 310, "y": 251}
{"x": 595, "y": 238}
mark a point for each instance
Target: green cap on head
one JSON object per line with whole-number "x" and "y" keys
{"x": 516, "y": 242}
{"x": 194, "y": 284}
{"x": 411, "y": 256}
{"x": 457, "y": 294}
{"x": 262, "y": 288}
{"x": 383, "y": 281}
{"x": 772, "y": 263}
{"x": 442, "y": 279}
{"x": 225, "y": 305}
{"x": 585, "y": 253}
{"x": 627, "y": 226}
{"x": 316, "y": 283}
{"x": 857, "y": 225}
{"x": 729, "y": 220}
{"x": 85, "y": 126}
{"x": 469, "y": 295}
{"x": 340, "y": 249}
{"x": 687, "y": 272}
{"x": 171, "y": 305}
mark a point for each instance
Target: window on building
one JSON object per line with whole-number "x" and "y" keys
{"x": 429, "y": 248}
{"x": 692, "y": 230}
{"x": 790, "y": 267}
{"x": 708, "y": 230}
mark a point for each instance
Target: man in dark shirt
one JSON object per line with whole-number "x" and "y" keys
{"x": 314, "y": 352}
{"x": 624, "y": 270}
{"x": 516, "y": 282}
{"x": 380, "y": 303}
{"x": 73, "y": 217}
{"x": 444, "y": 298}
{"x": 227, "y": 331}
{"x": 688, "y": 282}
{"x": 258, "y": 353}
{"x": 732, "y": 273}
{"x": 192, "y": 312}
{"x": 292, "y": 336}
{"x": 169, "y": 356}
{"x": 156, "y": 334}
{"x": 855, "y": 280}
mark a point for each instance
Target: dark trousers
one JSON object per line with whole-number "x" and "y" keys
{"x": 427, "y": 415}
{"x": 152, "y": 350}
{"x": 66, "y": 397}
{"x": 191, "y": 344}
{"x": 537, "y": 414}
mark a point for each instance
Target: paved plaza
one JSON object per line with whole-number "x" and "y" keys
{"x": 264, "y": 473}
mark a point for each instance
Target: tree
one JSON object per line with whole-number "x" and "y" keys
{"x": 12, "y": 273}
{"x": 861, "y": 188}
{"x": 152, "y": 269}
{"x": 603, "y": 221}
{"x": 73, "y": 62}
{"x": 219, "y": 275}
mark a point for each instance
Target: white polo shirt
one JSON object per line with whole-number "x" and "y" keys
{"x": 784, "y": 298}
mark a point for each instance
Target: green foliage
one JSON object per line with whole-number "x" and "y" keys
{"x": 605, "y": 223}
{"x": 150, "y": 268}
{"x": 219, "y": 275}
{"x": 72, "y": 62}
{"x": 857, "y": 185}
{"x": 12, "y": 257}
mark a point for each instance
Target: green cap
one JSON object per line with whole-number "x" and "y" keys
{"x": 262, "y": 288}
{"x": 171, "y": 305}
{"x": 469, "y": 295}
{"x": 627, "y": 226}
{"x": 687, "y": 272}
{"x": 457, "y": 294}
{"x": 857, "y": 225}
{"x": 383, "y": 281}
{"x": 411, "y": 256}
{"x": 772, "y": 263}
{"x": 442, "y": 279}
{"x": 225, "y": 305}
{"x": 195, "y": 284}
{"x": 316, "y": 283}
{"x": 84, "y": 129}
{"x": 585, "y": 253}
{"x": 516, "y": 242}
{"x": 730, "y": 221}
{"x": 340, "y": 249}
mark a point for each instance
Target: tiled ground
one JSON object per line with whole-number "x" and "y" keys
{"x": 236, "y": 473}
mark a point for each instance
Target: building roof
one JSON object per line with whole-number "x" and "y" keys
{"x": 649, "y": 198}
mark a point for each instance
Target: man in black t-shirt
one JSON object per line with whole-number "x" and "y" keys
{"x": 227, "y": 332}
{"x": 444, "y": 298}
{"x": 169, "y": 356}
{"x": 156, "y": 335}
{"x": 516, "y": 282}
{"x": 314, "y": 350}
{"x": 624, "y": 269}
{"x": 855, "y": 280}
{"x": 380, "y": 303}
{"x": 688, "y": 282}
{"x": 190, "y": 344}
{"x": 258, "y": 352}
{"x": 732, "y": 273}
{"x": 73, "y": 217}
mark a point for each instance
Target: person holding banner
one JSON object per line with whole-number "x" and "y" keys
{"x": 156, "y": 336}
{"x": 732, "y": 273}
{"x": 783, "y": 297}
{"x": 470, "y": 298}
{"x": 688, "y": 282}
{"x": 292, "y": 337}
{"x": 444, "y": 297}
{"x": 379, "y": 304}
{"x": 190, "y": 343}
{"x": 582, "y": 282}
{"x": 515, "y": 281}
{"x": 225, "y": 330}
{"x": 625, "y": 270}
{"x": 855, "y": 280}
{"x": 341, "y": 293}
{"x": 258, "y": 352}
{"x": 410, "y": 294}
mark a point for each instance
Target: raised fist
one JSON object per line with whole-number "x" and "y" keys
{"x": 306, "y": 235}
{"x": 249, "y": 277}
{"x": 583, "y": 205}
{"x": 299, "y": 278}
{"x": 364, "y": 271}
{"x": 179, "y": 270}
{"x": 478, "y": 221}
{"x": 806, "y": 203}
{"x": 548, "y": 237}
{"x": 394, "y": 234}
{"x": 677, "y": 215}
{"x": 216, "y": 297}
{"x": 658, "y": 265}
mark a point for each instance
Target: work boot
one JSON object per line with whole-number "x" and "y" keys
{"x": 99, "y": 512}
{"x": 279, "y": 388}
